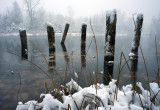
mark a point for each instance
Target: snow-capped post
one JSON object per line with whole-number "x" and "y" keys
{"x": 138, "y": 29}
{"x": 51, "y": 37}
{"x": 24, "y": 47}
{"x": 83, "y": 44}
{"x": 51, "y": 42}
{"x": 133, "y": 55}
{"x": 111, "y": 19}
{"x": 65, "y": 33}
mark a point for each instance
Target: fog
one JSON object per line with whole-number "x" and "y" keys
{"x": 76, "y": 12}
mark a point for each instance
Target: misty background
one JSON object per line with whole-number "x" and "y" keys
{"x": 33, "y": 15}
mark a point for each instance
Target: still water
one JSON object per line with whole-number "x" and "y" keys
{"x": 24, "y": 80}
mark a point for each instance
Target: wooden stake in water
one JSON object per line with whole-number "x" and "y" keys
{"x": 83, "y": 45}
{"x": 138, "y": 29}
{"x": 24, "y": 46}
{"x": 111, "y": 19}
{"x": 51, "y": 37}
{"x": 134, "y": 51}
{"x": 51, "y": 42}
{"x": 83, "y": 33}
{"x": 65, "y": 32}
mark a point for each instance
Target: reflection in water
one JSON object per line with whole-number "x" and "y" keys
{"x": 83, "y": 54}
{"x": 66, "y": 57}
{"x": 52, "y": 59}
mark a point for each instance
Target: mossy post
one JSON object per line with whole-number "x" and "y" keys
{"x": 83, "y": 45}
{"x": 65, "y": 32}
{"x": 111, "y": 20}
{"x": 51, "y": 37}
{"x": 24, "y": 47}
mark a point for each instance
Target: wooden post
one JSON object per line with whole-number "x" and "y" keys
{"x": 51, "y": 42}
{"x": 111, "y": 20}
{"x": 109, "y": 48}
{"x": 134, "y": 50}
{"x": 83, "y": 45}
{"x": 83, "y": 33}
{"x": 51, "y": 37}
{"x": 138, "y": 29}
{"x": 65, "y": 33}
{"x": 24, "y": 47}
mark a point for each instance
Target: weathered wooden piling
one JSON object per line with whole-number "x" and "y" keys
{"x": 109, "y": 48}
{"x": 83, "y": 33}
{"x": 134, "y": 50}
{"x": 83, "y": 45}
{"x": 111, "y": 20}
{"x": 65, "y": 33}
{"x": 51, "y": 42}
{"x": 138, "y": 29}
{"x": 24, "y": 47}
{"x": 51, "y": 37}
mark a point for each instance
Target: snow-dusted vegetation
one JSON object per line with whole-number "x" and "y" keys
{"x": 107, "y": 98}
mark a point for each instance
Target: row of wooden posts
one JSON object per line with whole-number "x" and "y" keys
{"x": 109, "y": 48}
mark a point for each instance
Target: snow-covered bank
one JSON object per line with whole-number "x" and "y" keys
{"x": 105, "y": 99}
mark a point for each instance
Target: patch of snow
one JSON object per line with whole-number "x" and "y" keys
{"x": 49, "y": 24}
{"x": 131, "y": 54}
{"x": 140, "y": 16}
{"x": 75, "y": 74}
{"x": 21, "y": 29}
{"x": 110, "y": 62}
{"x": 73, "y": 86}
{"x": 108, "y": 53}
{"x": 111, "y": 14}
{"x": 67, "y": 22}
{"x": 87, "y": 98}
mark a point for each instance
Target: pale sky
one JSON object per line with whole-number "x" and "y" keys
{"x": 82, "y": 8}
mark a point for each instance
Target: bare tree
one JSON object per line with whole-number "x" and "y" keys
{"x": 31, "y": 5}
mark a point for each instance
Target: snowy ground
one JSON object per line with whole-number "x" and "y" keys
{"x": 105, "y": 99}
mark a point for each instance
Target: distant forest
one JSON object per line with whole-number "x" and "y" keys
{"x": 35, "y": 18}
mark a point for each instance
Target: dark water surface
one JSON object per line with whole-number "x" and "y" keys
{"x": 67, "y": 60}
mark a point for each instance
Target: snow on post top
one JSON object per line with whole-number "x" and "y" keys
{"x": 84, "y": 23}
{"x": 49, "y": 24}
{"x": 140, "y": 16}
{"x": 111, "y": 14}
{"x": 67, "y": 22}
{"x": 21, "y": 29}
